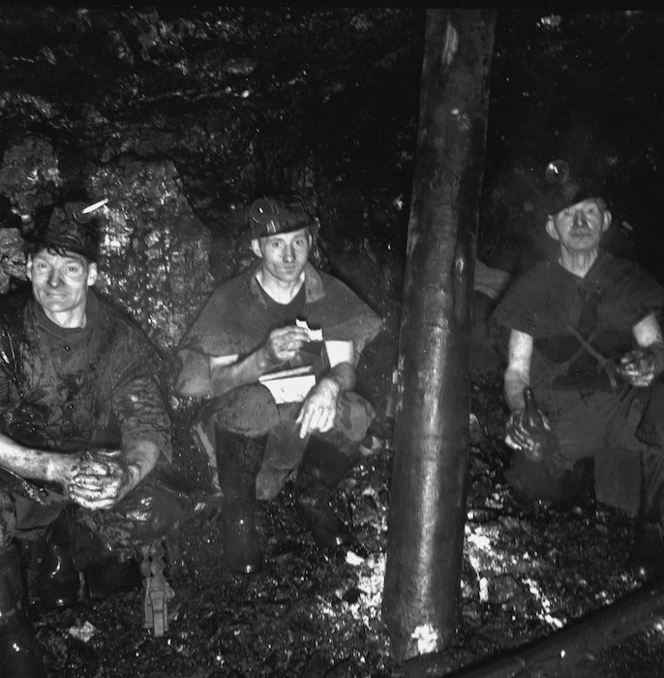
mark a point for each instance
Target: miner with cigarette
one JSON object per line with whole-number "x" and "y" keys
{"x": 279, "y": 314}
{"x": 585, "y": 339}
{"x": 84, "y": 435}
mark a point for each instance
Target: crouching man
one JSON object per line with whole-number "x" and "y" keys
{"x": 84, "y": 435}
{"x": 585, "y": 336}
{"x": 279, "y": 314}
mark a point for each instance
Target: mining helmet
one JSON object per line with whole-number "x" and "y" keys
{"x": 565, "y": 189}
{"x": 268, "y": 216}
{"x": 68, "y": 227}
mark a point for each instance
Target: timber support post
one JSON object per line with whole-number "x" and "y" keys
{"x": 428, "y": 488}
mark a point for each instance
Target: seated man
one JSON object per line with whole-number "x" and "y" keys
{"x": 280, "y": 313}
{"x": 84, "y": 434}
{"x": 584, "y": 335}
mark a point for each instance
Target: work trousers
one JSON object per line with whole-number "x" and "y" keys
{"x": 250, "y": 410}
{"x": 143, "y": 515}
{"x": 596, "y": 441}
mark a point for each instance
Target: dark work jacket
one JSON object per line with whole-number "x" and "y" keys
{"x": 235, "y": 318}
{"x": 603, "y": 308}
{"x": 101, "y": 391}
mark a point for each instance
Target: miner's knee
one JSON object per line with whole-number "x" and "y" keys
{"x": 248, "y": 410}
{"x": 538, "y": 480}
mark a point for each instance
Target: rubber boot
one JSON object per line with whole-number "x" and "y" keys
{"x": 238, "y": 461}
{"x": 19, "y": 651}
{"x": 324, "y": 466}
{"x": 646, "y": 560}
{"x": 58, "y": 581}
{"x": 112, "y": 574}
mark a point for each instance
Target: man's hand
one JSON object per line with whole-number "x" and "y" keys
{"x": 284, "y": 343}
{"x": 519, "y": 437}
{"x": 638, "y": 367}
{"x": 97, "y": 479}
{"x": 319, "y": 409}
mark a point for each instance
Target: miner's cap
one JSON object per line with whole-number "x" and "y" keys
{"x": 565, "y": 189}
{"x": 269, "y": 216}
{"x": 68, "y": 227}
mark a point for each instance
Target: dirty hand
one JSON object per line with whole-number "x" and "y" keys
{"x": 319, "y": 408}
{"x": 638, "y": 367}
{"x": 284, "y": 343}
{"x": 98, "y": 479}
{"x": 518, "y": 436}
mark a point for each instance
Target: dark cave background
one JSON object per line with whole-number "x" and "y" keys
{"x": 181, "y": 116}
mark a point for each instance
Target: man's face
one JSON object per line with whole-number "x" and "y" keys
{"x": 60, "y": 283}
{"x": 284, "y": 254}
{"x": 579, "y": 227}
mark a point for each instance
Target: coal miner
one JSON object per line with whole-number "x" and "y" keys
{"x": 85, "y": 438}
{"x": 585, "y": 337}
{"x": 280, "y": 317}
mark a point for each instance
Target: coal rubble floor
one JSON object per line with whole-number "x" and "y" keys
{"x": 528, "y": 571}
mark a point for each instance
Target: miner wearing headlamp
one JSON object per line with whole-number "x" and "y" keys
{"x": 84, "y": 434}
{"x": 281, "y": 313}
{"x": 585, "y": 336}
